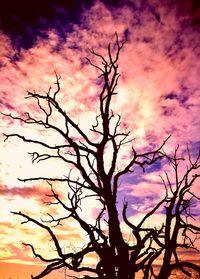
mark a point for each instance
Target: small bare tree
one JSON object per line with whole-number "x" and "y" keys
{"x": 86, "y": 153}
{"x": 179, "y": 232}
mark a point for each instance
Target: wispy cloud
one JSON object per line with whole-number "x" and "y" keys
{"x": 158, "y": 91}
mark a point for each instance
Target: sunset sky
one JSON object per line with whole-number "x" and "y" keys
{"x": 158, "y": 95}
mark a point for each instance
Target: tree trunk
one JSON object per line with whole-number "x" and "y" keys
{"x": 118, "y": 246}
{"x": 165, "y": 270}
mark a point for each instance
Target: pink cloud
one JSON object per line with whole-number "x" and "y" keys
{"x": 162, "y": 63}
{"x": 158, "y": 89}
{"x": 25, "y": 192}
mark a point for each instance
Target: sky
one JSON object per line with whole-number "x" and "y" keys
{"x": 158, "y": 95}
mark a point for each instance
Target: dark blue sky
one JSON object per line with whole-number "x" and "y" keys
{"x": 24, "y": 20}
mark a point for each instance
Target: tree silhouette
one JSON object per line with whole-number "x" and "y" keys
{"x": 87, "y": 153}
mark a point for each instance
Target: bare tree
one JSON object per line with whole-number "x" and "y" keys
{"x": 179, "y": 232}
{"x": 86, "y": 153}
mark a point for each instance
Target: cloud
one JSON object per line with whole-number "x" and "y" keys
{"x": 25, "y": 192}
{"x": 158, "y": 92}
{"x": 161, "y": 54}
